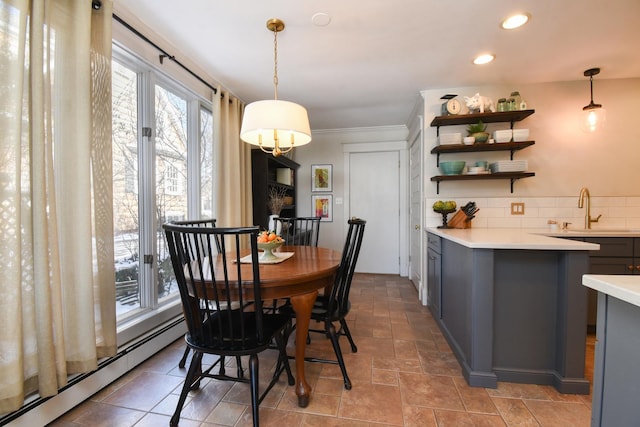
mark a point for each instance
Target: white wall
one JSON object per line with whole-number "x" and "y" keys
{"x": 564, "y": 158}
{"x": 328, "y": 147}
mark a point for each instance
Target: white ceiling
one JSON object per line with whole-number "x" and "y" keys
{"x": 367, "y": 67}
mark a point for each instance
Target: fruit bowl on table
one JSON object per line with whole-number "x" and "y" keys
{"x": 269, "y": 247}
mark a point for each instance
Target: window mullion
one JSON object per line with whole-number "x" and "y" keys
{"x": 148, "y": 226}
{"x": 193, "y": 163}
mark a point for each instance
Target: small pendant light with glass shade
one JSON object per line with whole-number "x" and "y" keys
{"x": 275, "y": 126}
{"x": 594, "y": 115}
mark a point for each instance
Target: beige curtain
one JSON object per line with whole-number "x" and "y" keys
{"x": 56, "y": 235}
{"x": 232, "y": 164}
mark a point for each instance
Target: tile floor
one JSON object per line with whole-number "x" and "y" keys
{"x": 404, "y": 374}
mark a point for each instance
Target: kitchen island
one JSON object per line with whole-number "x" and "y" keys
{"x": 511, "y": 305}
{"x": 616, "y": 377}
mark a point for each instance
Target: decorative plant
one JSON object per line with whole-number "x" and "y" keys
{"x": 476, "y": 128}
{"x": 276, "y": 199}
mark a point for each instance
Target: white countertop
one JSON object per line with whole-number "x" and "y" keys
{"x": 509, "y": 238}
{"x": 623, "y": 287}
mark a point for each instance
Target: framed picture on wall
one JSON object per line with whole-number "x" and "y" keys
{"x": 322, "y": 206}
{"x": 321, "y": 178}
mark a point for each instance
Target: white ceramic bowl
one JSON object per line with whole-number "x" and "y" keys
{"x": 476, "y": 169}
{"x": 502, "y": 135}
{"x": 520, "y": 135}
{"x": 468, "y": 140}
{"x": 450, "y": 138}
{"x": 268, "y": 248}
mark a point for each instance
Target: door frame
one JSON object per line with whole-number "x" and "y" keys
{"x": 403, "y": 154}
{"x": 416, "y": 136}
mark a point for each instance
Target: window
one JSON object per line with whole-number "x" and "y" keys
{"x": 131, "y": 176}
{"x": 206, "y": 164}
{"x": 159, "y": 126}
{"x": 172, "y": 180}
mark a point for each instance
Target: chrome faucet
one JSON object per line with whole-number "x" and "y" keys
{"x": 584, "y": 194}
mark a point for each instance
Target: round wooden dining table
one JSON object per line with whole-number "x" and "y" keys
{"x": 299, "y": 278}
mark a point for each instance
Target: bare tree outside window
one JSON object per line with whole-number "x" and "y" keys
{"x": 125, "y": 187}
{"x": 206, "y": 164}
{"x": 170, "y": 188}
{"x": 171, "y": 169}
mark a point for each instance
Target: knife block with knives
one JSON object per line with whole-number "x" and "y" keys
{"x": 462, "y": 218}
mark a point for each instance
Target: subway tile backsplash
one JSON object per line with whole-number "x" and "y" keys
{"x": 495, "y": 212}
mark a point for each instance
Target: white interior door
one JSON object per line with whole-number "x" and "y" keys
{"x": 374, "y": 195}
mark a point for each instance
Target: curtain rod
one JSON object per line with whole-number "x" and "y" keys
{"x": 164, "y": 54}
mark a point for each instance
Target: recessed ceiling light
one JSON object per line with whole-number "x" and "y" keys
{"x": 485, "y": 58}
{"x": 515, "y": 21}
{"x": 321, "y": 19}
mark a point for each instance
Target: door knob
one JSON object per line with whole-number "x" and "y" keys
{"x": 418, "y": 228}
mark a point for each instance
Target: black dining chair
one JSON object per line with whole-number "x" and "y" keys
{"x": 205, "y": 223}
{"x": 185, "y": 355}
{"x": 296, "y": 231}
{"x": 225, "y": 319}
{"x": 335, "y": 306}
{"x": 299, "y": 231}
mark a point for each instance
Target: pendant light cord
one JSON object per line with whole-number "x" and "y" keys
{"x": 275, "y": 63}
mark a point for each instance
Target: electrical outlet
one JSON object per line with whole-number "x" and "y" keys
{"x": 517, "y": 208}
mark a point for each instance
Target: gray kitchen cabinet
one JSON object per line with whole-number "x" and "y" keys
{"x": 511, "y": 314}
{"x": 615, "y": 376}
{"x": 617, "y": 255}
{"x": 636, "y": 255}
{"x": 434, "y": 274}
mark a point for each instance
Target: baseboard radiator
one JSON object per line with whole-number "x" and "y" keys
{"x": 41, "y": 411}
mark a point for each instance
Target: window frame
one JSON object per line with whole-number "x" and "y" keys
{"x": 154, "y": 311}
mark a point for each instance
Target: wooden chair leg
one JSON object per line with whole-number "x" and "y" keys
{"x": 336, "y": 348}
{"x": 283, "y": 360}
{"x": 253, "y": 379}
{"x": 240, "y": 371}
{"x": 223, "y": 369}
{"x": 183, "y": 361}
{"x": 347, "y": 333}
{"x": 192, "y": 374}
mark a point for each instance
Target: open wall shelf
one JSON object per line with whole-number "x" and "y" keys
{"x": 461, "y": 148}
{"x": 512, "y": 176}
{"x": 465, "y": 119}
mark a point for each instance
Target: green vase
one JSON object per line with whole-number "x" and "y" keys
{"x": 480, "y": 136}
